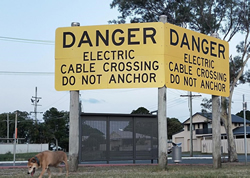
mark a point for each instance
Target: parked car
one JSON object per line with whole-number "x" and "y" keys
{"x": 53, "y": 147}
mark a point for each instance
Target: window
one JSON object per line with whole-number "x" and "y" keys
{"x": 188, "y": 127}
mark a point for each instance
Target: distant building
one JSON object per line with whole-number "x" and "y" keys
{"x": 202, "y": 133}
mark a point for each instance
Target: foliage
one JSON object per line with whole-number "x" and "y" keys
{"x": 57, "y": 127}
{"x": 140, "y": 110}
{"x": 24, "y": 123}
{"x": 148, "y": 11}
{"x": 206, "y": 105}
{"x": 241, "y": 114}
{"x": 174, "y": 126}
{"x": 143, "y": 127}
{"x": 203, "y": 16}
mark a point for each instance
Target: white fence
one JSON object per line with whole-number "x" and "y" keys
{"x": 206, "y": 146}
{"x": 23, "y": 148}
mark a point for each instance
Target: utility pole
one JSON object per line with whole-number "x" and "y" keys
{"x": 216, "y": 127}
{"x": 191, "y": 119}
{"x": 15, "y": 139}
{"x": 74, "y": 124}
{"x": 8, "y": 128}
{"x": 35, "y": 99}
{"x": 162, "y": 120}
{"x": 245, "y": 129}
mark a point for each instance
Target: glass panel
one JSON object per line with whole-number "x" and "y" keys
{"x": 146, "y": 138}
{"x": 94, "y": 140}
{"x": 121, "y": 139}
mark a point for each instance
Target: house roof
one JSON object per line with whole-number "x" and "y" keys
{"x": 235, "y": 118}
{"x": 240, "y": 130}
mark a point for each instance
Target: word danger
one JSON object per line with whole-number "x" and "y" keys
{"x": 201, "y": 45}
{"x": 117, "y": 37}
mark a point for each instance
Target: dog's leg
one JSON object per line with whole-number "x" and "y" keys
{"x": 60, "y": 169}
{"x": 49, "y": 173}
{"x": 43, "y": 171}
{"x": 66, "y": 166}
{"x": 65, "y": 161}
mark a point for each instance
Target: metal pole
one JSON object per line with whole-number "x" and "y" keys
{"x": 8, "y": 128}
{"x": 35, "y": 108}
{"x": 162, "y": 121}
{"x": 191, "y": 124}
{"x": 35, "y": 101}
{"x": 14, "y": 152}
{"x": 74, "y": 126}
{"x": 190, "y": 95}
{"x": 245, "y": 129}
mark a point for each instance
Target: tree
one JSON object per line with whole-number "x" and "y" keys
{"x": 241, "y": 114}
{"x": 37, "y": 133}
{"x": 57, "y": 128}
{"x": 24, "y": 124}
{"x": 178, "y": 12}
{"x": 140, "y": 110}
{"x": 3, "y": 125}
{"x": 174, "y": 126}
{"x": 206, "y": 105}
{"x": 227, "y": 17}
{"x": 142, "y": 127}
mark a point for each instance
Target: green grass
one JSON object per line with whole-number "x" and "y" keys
{"x": 233, "y": 170}
{"x": 19, "y": 157}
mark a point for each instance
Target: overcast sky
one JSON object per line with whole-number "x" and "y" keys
{"x": 20, "y": 61}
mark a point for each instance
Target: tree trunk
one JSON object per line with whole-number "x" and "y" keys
{"x": 227, "y": 120}
{"x": 56, "y": 143}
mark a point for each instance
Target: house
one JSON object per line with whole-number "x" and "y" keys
{"x": 202, "y": 133}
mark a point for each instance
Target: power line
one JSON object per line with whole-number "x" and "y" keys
{"x": 44, "y": 108}
{"x": 25, "y": 73}
{"x": 23, "y": 40}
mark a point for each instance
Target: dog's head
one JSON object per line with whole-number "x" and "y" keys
{"x": 32, "y": 166}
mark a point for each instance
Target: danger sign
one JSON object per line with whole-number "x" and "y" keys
{"x": 110, "y": 56}
{"x": 138, "y": 56}
{"x": 196, "y": 62}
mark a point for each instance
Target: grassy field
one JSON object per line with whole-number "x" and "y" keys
{"x": 19, "y": 157}
{"x": 137, "y": 171}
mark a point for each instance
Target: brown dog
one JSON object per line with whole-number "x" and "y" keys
{"x": 45, "y": 159}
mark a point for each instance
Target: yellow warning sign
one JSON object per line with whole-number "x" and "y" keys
{"x": 140, "y": 55}
{"x": 196, "y": 62}
{"x": 109, "y": 56}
